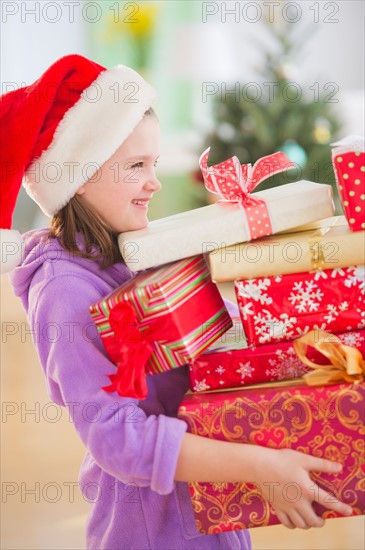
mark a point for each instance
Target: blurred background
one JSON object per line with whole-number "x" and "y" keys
{"x": 247, "y": 78}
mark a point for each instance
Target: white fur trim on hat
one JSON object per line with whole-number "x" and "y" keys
{"x": 88, "y": 135}
{"x": 11, "y": 249}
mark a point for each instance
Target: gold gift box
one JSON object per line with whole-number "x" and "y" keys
{"x": 326, "y": 244}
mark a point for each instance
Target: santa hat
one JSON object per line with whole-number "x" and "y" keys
{"x": 57, "y": 132}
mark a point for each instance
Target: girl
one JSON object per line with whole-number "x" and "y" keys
{"x": 86, "y": 141}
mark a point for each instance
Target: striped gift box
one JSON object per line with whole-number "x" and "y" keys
{"x": 180, "y": 301}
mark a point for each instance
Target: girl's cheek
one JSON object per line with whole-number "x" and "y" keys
{"x": 130, "y": 178}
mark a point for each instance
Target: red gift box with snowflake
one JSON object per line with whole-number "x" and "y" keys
{"x": 279, "y": 308}
{"x": 232, "y": 368}
{"x": 348, "y": 160}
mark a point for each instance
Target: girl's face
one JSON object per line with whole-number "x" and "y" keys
{"x": 127, "y": 178}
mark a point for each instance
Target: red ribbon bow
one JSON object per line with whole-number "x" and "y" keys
{"x": 133, "y": 349}
{"x": 234, "y": 181}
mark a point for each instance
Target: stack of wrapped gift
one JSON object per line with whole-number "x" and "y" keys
{"x": 321, "y": 413}
{"x": 172, "y": 311}
{"x": 280, "y": 302}
{"x": 303, "y": 388}
{"x": 171, "y": 314}
{"x": 286, "y": 284}
{"x": 289, "y": 284}
{"x": 289, "y": 290}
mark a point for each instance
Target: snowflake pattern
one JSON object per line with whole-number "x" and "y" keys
{"x": 256, "y": 290}
{"x": 352, "y": 339}
{"x": 337, "y": 271}
{"x": 306, "y": 296}
{"x": 287, "y": 365}
{"x": 301, "y": 331}
{"x": 201, "y": 386}
{"x": 319, "y": 274}
{"x": 356, "y": 277}
{"x": 334, "y": 311}
{"x": 268, "y": 327}
{"x": 246, "y": 310}
{"x": 220, "y": 370}
{"x": 280, "y": 364}
{"x": 245, "y": 369}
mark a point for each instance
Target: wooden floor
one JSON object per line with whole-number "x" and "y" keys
{"x": 41, "y": 506}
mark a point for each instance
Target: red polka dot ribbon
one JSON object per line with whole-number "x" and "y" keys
{"x": 234, "y": 181}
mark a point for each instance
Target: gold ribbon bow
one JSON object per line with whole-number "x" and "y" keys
{"x": 346, "y": 363}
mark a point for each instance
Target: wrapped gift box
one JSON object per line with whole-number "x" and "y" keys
{"x": 333, "y": 244}
{"x": 178, "y": 311}
{"x": 279, "y": 308}
{"x": 231, "y": 366}
{"x": 221, "y": 224}
{"x": 233, "y": 338}
{"x": 325, "y": 421}
{"x": 348, "y": 158}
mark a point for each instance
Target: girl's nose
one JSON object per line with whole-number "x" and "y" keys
{"x": 154, "y": 184}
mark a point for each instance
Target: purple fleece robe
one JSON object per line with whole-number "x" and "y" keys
{"x": 127, "y": 475}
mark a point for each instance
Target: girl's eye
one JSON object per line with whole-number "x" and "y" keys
{"x": 140, "y": 164}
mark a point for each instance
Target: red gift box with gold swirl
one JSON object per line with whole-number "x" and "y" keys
{"x": 348, "y": 159}
{"x": 324, "y": 421}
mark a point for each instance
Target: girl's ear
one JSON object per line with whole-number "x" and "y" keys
{"x": 81, "y": 190}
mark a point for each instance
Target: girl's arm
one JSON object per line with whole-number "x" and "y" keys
{"x": 126, "y": 443}
{"x": 203, "y": 459}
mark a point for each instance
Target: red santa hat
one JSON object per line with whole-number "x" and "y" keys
{"x": 57, "y": 132}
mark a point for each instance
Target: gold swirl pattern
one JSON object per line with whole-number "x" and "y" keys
{"x": 324, "y": 421}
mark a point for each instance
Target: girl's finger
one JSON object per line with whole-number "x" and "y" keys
{"x": 331, "y": 502}
{"x": 296, "y": 518}
{"x": 285, "y": 520}
{"x": 310, "y": 517}
{"x": 323, "y": 465}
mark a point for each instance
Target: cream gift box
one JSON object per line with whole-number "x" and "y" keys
{"x": 221, "y": 224}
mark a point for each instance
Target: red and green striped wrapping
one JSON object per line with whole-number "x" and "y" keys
{"x": 180, "y": 301}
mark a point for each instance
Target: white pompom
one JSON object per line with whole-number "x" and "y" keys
{"x": 11, "y": 249}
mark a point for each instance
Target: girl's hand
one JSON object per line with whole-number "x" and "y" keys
{"x": 282, "y": 475}
{"x": 291, "y": 490}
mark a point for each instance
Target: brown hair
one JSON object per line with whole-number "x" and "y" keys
{"x": 100, "y": 242}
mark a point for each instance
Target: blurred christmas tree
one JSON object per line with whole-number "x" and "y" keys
{"x": 284, "y": 118}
